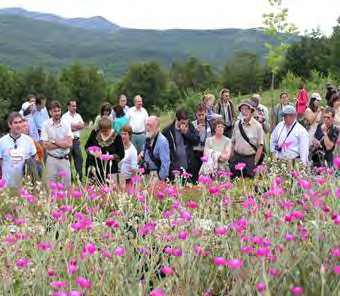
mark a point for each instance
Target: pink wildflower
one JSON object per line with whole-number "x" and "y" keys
{"x": 260, "y": 287}
{"x": 157, "y": 292}
{"x": 297, "y": 290}
{"x": 119, "y": 251}
{"x": 58, "y": 284}
{"x": 219, "y": 261}
{"x": 22, "y": 262}
{"x": 235, "y": 263}
{"x": 240, "y": 166}
{"x": 336, "y": 269}
{"x": 83, "y": 282}
{"x": 167, "y": 270}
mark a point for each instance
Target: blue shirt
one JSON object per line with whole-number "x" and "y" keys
{"x": 13, "y": 153}
{"x": 33, "y": 130}
{"x": 119, "y": 123}
{"x": 162, "y": 152}
{"x": 39, "y": 117}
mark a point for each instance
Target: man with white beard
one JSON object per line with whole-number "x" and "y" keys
{"x": 156, "y": 153}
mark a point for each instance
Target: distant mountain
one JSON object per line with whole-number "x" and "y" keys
{"x": 27, "y": 42}
{"x": 96, "y": 23}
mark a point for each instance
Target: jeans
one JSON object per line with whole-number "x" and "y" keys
{"x": 138, "y": 140}
{"x": 76, "y": 155}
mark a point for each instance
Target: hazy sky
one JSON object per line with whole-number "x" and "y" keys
{"x": 199, "y": 14}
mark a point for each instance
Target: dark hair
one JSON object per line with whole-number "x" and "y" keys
{"x": 217, "y": 122}
{"x": 311, "y": 104}
{"x": 105, "y": 107}
{"x": 330, "y": 110}
{"x": 182, "y": 114}
{"x": 30, "y": 96}
{"x": 283, "y": 93}
{"x": 127, "y": 129}
{"x": 301, "y": 85}
{"x": 27, "y": 111}
{"x": 119, "y": 111}
{"x": 70, "y": 101}
{"x": 333, "y": 99}
{"x": 201, "y": 108}
{"x": 55, "y": 104}
{"x": 104, "y": 122}
{"x": 39, "y": 98}
{"x": 12, "y": 116}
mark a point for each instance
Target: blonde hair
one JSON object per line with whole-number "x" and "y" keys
{"x": 208, "y": 97}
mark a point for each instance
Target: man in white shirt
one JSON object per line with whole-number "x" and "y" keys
{"x": 56, "y": 136}
{"x": 77, "y": 124}
{"x": 290, "y": 140}
{"x": 15, "y": 149}
{"x": 138, "y": 117}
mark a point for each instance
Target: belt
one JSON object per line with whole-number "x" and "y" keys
{"x": 58, "y": 157}
{"x": 138, "y": 133}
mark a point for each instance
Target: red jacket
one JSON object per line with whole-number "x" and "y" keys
{"x": 302, "y": 102}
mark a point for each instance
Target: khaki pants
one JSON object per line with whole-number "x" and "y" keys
{"x": 58, "y": 170}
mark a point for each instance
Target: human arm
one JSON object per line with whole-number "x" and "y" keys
{"x": 164, "y": 155}
{"x": 329, "y": 139}
{"x": 304, "y": 145}
{"x": 191, "y": 135}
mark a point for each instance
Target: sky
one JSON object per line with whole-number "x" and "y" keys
{"x": 189, "y": 14}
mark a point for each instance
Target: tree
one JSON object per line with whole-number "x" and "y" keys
{"x": 277, "y": 26}
{"x": 243, "y": 73}
{"x": 8, "y": 88}
{"x": 151, "y": 82}
{"x": 87, "y": 85}
{"x": 335, "y": 47}
{"x": 192, "y": 75}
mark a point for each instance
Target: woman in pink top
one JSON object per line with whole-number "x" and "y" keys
{"x": 301, "y": 101}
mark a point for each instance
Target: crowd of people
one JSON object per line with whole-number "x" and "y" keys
{"x": 125, "y": 141}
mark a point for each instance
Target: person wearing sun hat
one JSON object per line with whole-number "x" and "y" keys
{"x": 26, "y": 111}
{"x": 247, "y": 142}
{"x": 313, "y": 115}
{"x": 290, "y": 140}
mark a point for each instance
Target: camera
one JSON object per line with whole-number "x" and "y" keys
{"x": 278, "y": 148}
{"x": 145, "y": 166}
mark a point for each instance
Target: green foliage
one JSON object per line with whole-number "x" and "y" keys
{"x": 87, "y": 85}
{"x": 151, "y": 82}
{"x": 244, "y": 73}
{"x": 192, "y": 75}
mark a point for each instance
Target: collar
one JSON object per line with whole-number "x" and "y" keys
{"x": 14, "y": 139}
{"x": 56, "y": 124}
{"x": 249, "y": 123}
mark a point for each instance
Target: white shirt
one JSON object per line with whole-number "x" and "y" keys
{"x": 13, "y": 153}
{"x": 129, "y": 162}
{"x": 73, "y": 119}
{"x": 137, "y": 119}
{"x": 58, "y": 132}
{"x": 296, "y": 145}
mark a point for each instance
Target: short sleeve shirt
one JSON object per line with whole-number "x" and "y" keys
{"x": 13, "y": 153}
{"x": 58, "y": 132}
{"x": 73, "y": 119}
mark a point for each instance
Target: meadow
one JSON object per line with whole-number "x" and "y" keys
{"x": 276, "y": 235}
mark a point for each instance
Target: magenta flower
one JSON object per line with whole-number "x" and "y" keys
{"x": 2, "y": 183}
{"x": 106, "y": 157}
{"x": 240, "y": 166}
{"x": 90, "y": 248}
{"x": 22, "y": 262}
{"x": 112, "y": 223}
{"x": 50, "y": 272}
{"x": 260, "y": 287}
{"x": 336, "y": 218}
{"x": 93, "y": 149}
{"x": 75, "y": 293}
{"x": 220, "y": 230}
{"x": 192, "y": 204}
{"x": 204, "y": 179}
{"x": 204, "y": 158}
{"x": 304, "y": 184}
{"x": 157, "y": 292}
{"x": 336, "y": 269}
{"x": 83, "y": 282}
{"x": 199, "y": 250}
{"x": 44, "y": 246}
{"x": 119, "y": 251}
{"x": 167, "y": 270}
{"x": 183, "y": 235}
{"x": 76, "y": 194}
{"x": 186, "y": 215}
{"x": 235, "y": 263}
{"x": 220, "y": 261}
{"x": 336, "y": 162}
{"x": 297, "y": 290}
{"x": 336, "y": 252}
{"x": 58, "y": 285}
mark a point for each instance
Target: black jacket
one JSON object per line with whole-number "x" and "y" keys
{"x": 191, "y": 139}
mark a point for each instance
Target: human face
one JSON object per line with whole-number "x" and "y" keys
{"x": 106, "y": 130}
{"x": 289, "y": 119}
{"x": 122, "y": 101}
{"x": 182, "y": 122}
{"x": 225, "y": 96}
{"x": 219, "y": 130}
{"x": 151, "y": 128}
{"x": 25, "y": 128}
{"x": 125, "y": 137}
{"x": 246, "y": 112}
{"x": 328, "y": 119}
{"x": 16, "y": 126}
{"x": 209, "y": 103}
{"x": 284, "y": 99}
{"x": 201, "y": 115}
{"x": 56, "y": 113}
{"x": 138, "y": 103}
{"x": 316, "y": 103}
{"x": 72, "y": 107}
